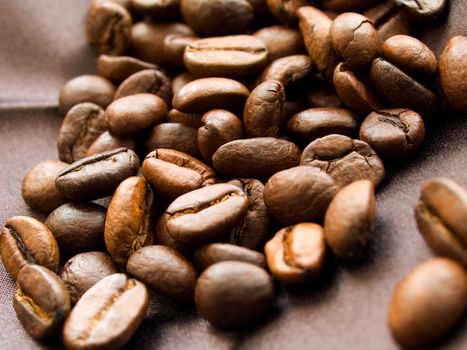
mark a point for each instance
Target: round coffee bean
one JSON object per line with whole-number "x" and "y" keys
{"x": 107, "y": 315}
{"x": 38, "y": 186}
{"x": 25, "y": 241}
{"x": 174, "y": 136}
{"x": 41, "y": 301}
{"x": 280, "y": 41}
{"x": 165, "y": 270}
{"x": 299, "y": 194}
{"x": 428, "y": 302}
{"x": 421, "y": 10}
{"x": 286, "y": 11}
{"x": 174, "y": 47}
{"x": 348, "y": 5}
{"x": 84, "y": 270}
{"x": 350, "y": 220}
{"x": 158, "y": 9}
{"x": 388, "y": 21}
{"x": 108, "y": 142}
{"x": 118, "y": 68}
{"x": 192, "y": 120}
{"x": 289, "y": 70}
{"x": 233, "y": 293}
{"x": 393, "y": 132}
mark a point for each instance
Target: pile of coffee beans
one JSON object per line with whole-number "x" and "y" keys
{"x": 226, "y": 147}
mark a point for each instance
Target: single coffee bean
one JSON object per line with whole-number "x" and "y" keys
{"x": 286, "y": 11}
{"x": 441, "y": 214}
{"x": 84, "y": 270}
{"x": 217, "y": 17}
{"x": 421, "y": 10}
{"x": 165, "y": 270}
{"x": 230, "y": 294}
{"x": 453, "y": 72}
{"x": 118, "y": 68}
{"x": 281, "y": 41}
{"x": 41, "y": 301}
{"x": 428, "y": 302}
{"x": 314, "y": 123}
{"x": 86, "y": 88}
{"x": 129, "y": 224}
{"x": 205, "y": 214}
{"x": 257, "y": 158}
{"x": 174, "y": 47}
{"x": 192, "y": 120}
{"x": 299, "y": 194}
{"x": 354, "y": 39}
{"x": 234, "y": 56}
{"x": 202, "y": 95}
{"x": 78, "y": 227}
{"x": 24, "y": 241}
{"x": 296, "y": 254}
{"x": 388, "y": 21}
{"x": 264, "y": 113}
{"x": 217, "y": 128}
{"x": 213, "y": 253}
{"x": 174, "y": 173}
{"x": 181, "y": 80}
{"x": 174, "y": 136}
{"x": 315, "y": 27}
{"x": 97, "y": 176}
{"x": 348, "y": 5}
{"x": 107, "y": 315}
{"x": 82, "y": 125}
{"x": 135, "y": 113}
{"x": 108, "y": 142}
{"x": 158, "y": 9}
{"x": 108, "y": 27}
{"x": 321, "y": 96}
{"x": 289, "y": 70}
{"x": 393, "y": 132}
{"x": 253, "y": 230}
{"x": 350, "y": 220}
{"x": 151, "y": 81}
{"x": 38, "y": 186}
{"x": 346, "y": 160}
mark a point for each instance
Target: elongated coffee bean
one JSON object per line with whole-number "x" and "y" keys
{"x": 118, "y": 68}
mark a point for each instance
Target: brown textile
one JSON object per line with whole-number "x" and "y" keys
{"x": 42, "y": 45}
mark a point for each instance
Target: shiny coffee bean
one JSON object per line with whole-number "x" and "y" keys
{"x": 350, "y": 220}
{"x": 38, "y": 186}
{"x": 388, "y": 21}
{"x": 25, "y": 241}
{"x": 107, "y": 315}
{"x": 97, "y": 176}
{"x": 421, "y": 10}
{"x": 281, "y": 41}
{"x": 231, "y": 294}
{"x": 286, "y": 11}
{"x": 41, "y": 301}
{"x": 158, "y": 9}
{"x": 296, "y": 254}
{"x": 118, "y": 68}
{"x": 84, "y": 270}
{"x": 165, "y": 270}
{"x": 174, "y": 136}
{"x": 192, "y": 120}
{"x": 299, "y": 194}
{"x": 348, "y": 5}
{"x": 289, "y": 70}
{"x": 108, "y": 142}
{"x": 428, "y": 302}
{"x": 174, "y": 47}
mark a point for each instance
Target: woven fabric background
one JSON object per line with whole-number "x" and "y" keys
{"x": 42, "y": 45}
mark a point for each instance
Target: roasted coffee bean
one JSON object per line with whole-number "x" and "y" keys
{"x": 107, "y": 315}
{"x": 82, "y": 125}
{"x": 217, "y": 17}
{"x": 152, "y": 81}
{"x": 97, "y": 176}
{"x": 158, "y": 9}
{"x": 421, "y": 10}
{"x": 41, "y": 301}
{"x": 174, "y": 136}
{"x": 192, "y": 120}
{"x": 217, "y": 128}
{"x": 163, "y": 237}
{"x": 147, "y": 39}
{"x": 129, "y": 223}
{"x": 428, "y": 302}
{"x": 296, "y": 254}
{"x": 118, "y": 68}
{"x": 441, "y": 214}
{"x": 393, "y": 132}
{"x": 86, "y": 88}
{"x": 181, "y": 80}
{"x": 318, "y": 122}
{"x": 253, "y": 230}
{"x": 205, "y": 214}
{"x": 453, "y": 72}
{"x": 281, "y": 41}
{"x": 84, "y": 270}
{"x": 346, "y": 160}
{"x": 264, "y": 113}
{"x": 78, "y": 227}
{"x": 233, "y": 56}
{"x": 299, "y": 194}
{"x": 289, "y": 70}
{"x": 257, "y": 158}
{"x": 354, "y": 39}
{"x": 108, "y": 142}
{"x": 321, "y": 96}
{"x": 174, "y": 47}
{"x": 315, "y": 26}
{"x": 174, "y": 173}
{"x": 38, "y": 186}
{"x": 165, "y": 270}
{"x": 135, "y": 113}
{"x": 25, "y": 241}
{"x": 202, "y": 95}
{"x": 348, "y": 5}
{"x": 388, "y": 21}
{"x": 286, "y": 11}
{"x": 350, "y": 220}
{"x": 213, "y": 253}
{"x": 230, "y": 294}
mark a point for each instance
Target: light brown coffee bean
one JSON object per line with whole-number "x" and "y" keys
{"x": 174, "y": 136}
{"x": 289, "y": 70}
{"x": 108, "y": 142}
{"x": 281, "y": 41}
{"x": 118, "y": 68}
